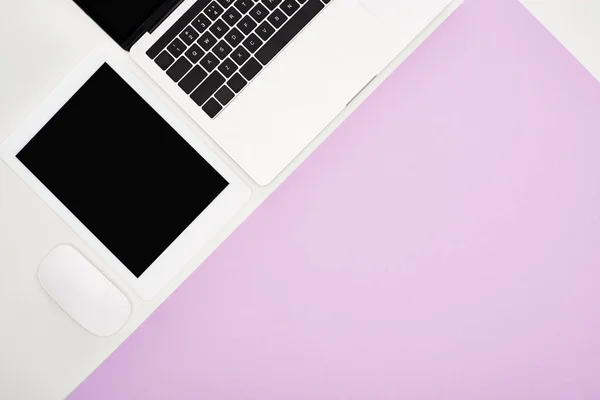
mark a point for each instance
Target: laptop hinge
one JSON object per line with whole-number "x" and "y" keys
{"x": 153, "y": 22}
{"x": 161, "y": 14}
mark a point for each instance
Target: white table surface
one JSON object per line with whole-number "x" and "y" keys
{"x": 576, "y": 24}
{"x": 43, "y": 353}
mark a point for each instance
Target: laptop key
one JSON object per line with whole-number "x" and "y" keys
{"x": 222, "y": 49}
{"x": 289, "y": 7}
{"x": 232, "y": 16}
{"x": 277, "y": 18}
{"x": 213, "y": 10}
{"x": 265, "y": 30}
{"x": 224, "y": 95}
{"x": 234, "y": 37}
{"x": 189, "y": 35}
{"x": 193, "y": 79}
{"x": 236, "y": 83}
{"x": 225, "y": 3}
{"x": 259, "y": 12}
{"x": 179, "y": 69}
{"x": 207, "y": 41}
{"x": 201, "y": 23}
{"x": 207, "y": 88}
{"x": 271, "y": 4}
{"x": 247, "y": 25}
{"x": 250, "y": 69}
{"x": 212, "y": 108}
{"x": 219, "y": 28}
{"x": 244, "y": 6}
{"x": 164, "y": 60}
{"x": 240, "y": 55}
{"x": 176, "y": 48}
{"x": 289, "y": 30}
{"x": 194, "y": 53}
{"x": 252, "y": 43}
{"x": 227, "y": 68}
{"x": 209, "y": 62}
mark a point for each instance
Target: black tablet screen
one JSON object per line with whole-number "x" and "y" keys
{"x": 121, "y": 169}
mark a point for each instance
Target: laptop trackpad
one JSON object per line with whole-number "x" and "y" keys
{"x": 405, "y": 18}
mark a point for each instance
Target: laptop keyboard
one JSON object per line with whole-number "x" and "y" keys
{"x": 214, "y": 50}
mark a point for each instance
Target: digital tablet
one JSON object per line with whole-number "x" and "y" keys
{"x": 126, "y": 174}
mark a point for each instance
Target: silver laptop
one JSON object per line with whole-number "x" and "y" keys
{"x": 263, "y": 77}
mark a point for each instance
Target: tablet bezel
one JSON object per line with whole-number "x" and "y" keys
{"x": 191, "y": 240}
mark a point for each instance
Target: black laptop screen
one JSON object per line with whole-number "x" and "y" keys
{"x": 120, "y": 18}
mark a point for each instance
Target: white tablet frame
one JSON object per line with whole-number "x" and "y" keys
{"x": 198, "y": 233}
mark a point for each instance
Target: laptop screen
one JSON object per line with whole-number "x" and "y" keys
{"x": 120, "y": 18}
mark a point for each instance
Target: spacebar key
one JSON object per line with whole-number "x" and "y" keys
{"x": 289, "y": 31}
{"x": 207, "y": 88}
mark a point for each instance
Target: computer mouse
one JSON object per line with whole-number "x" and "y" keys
{"x": 83, "y": 292}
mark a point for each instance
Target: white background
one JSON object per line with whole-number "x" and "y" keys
{"x": 576, "y": 24}
{"x": 43, "y": 353}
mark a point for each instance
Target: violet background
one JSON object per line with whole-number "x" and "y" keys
{"x": 443, "y": 243}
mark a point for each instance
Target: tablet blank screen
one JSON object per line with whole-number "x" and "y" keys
{"x": 121, "y": 169}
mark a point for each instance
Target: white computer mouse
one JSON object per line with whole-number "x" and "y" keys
{"x": 83, "y": 292}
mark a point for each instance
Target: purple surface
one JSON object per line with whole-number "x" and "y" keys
{"x": 442, "y": 244}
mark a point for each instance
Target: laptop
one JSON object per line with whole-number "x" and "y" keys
{"x": 263, "y": 77}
